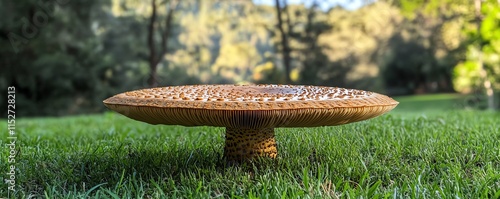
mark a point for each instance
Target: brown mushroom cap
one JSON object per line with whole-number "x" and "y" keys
{"x": 250, "y": 106}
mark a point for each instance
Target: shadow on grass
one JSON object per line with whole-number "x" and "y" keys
{"x": 78, "y": 171}
{"x": 147, "y": 164}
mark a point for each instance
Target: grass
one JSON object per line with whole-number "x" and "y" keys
{"x": 415, "y": 151}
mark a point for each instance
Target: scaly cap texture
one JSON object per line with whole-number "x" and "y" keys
{"x": 250, "y": 106}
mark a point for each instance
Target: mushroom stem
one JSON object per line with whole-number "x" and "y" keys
{"x": 244, "y": 144}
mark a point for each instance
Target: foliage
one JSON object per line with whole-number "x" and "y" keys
{"x": 427, "y": 47}
{"x": 357, "y": 46}
{"x": 467, "y": 78}
{"x": 89, "y": 50}
{"x": 57, "y": 58}
{"x": 244, "y": 57}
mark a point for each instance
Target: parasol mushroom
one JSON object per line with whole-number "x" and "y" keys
{"x": 250, "y": 112}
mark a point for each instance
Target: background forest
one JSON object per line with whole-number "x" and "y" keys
{"x": 66, "y": 56}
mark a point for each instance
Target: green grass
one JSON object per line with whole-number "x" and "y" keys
{"x": 430, "y": 103}
{"x": 437, "y": 103}
{"x": 412, "y": 152}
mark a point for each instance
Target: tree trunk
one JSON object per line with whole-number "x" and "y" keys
{"x": 482, "y": 70}
{"x": 284, "y": 39}
{"x": 152, "y": 80}
{"x": 154, "y": 57}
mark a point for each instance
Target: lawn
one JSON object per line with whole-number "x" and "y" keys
{"x": 428, "y": 147}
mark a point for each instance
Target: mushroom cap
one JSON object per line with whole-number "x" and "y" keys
{"x": 250, "y": 106}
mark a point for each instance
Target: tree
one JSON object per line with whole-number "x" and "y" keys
{"x": 428, "y": 45}
{"x": 355, "y": 44}
{"x": 480, "y": 70}
{"x": 154, "y": 56}
{"x": 316, "y": 68}
{"x": 480, "y": 63}
{"x": 64, "y": 67}
{"x": 285, "y": 46}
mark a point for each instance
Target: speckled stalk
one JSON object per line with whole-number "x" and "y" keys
{"x": 244, "y": 144}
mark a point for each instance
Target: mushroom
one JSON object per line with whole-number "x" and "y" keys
{"x": 250, "y": 112}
